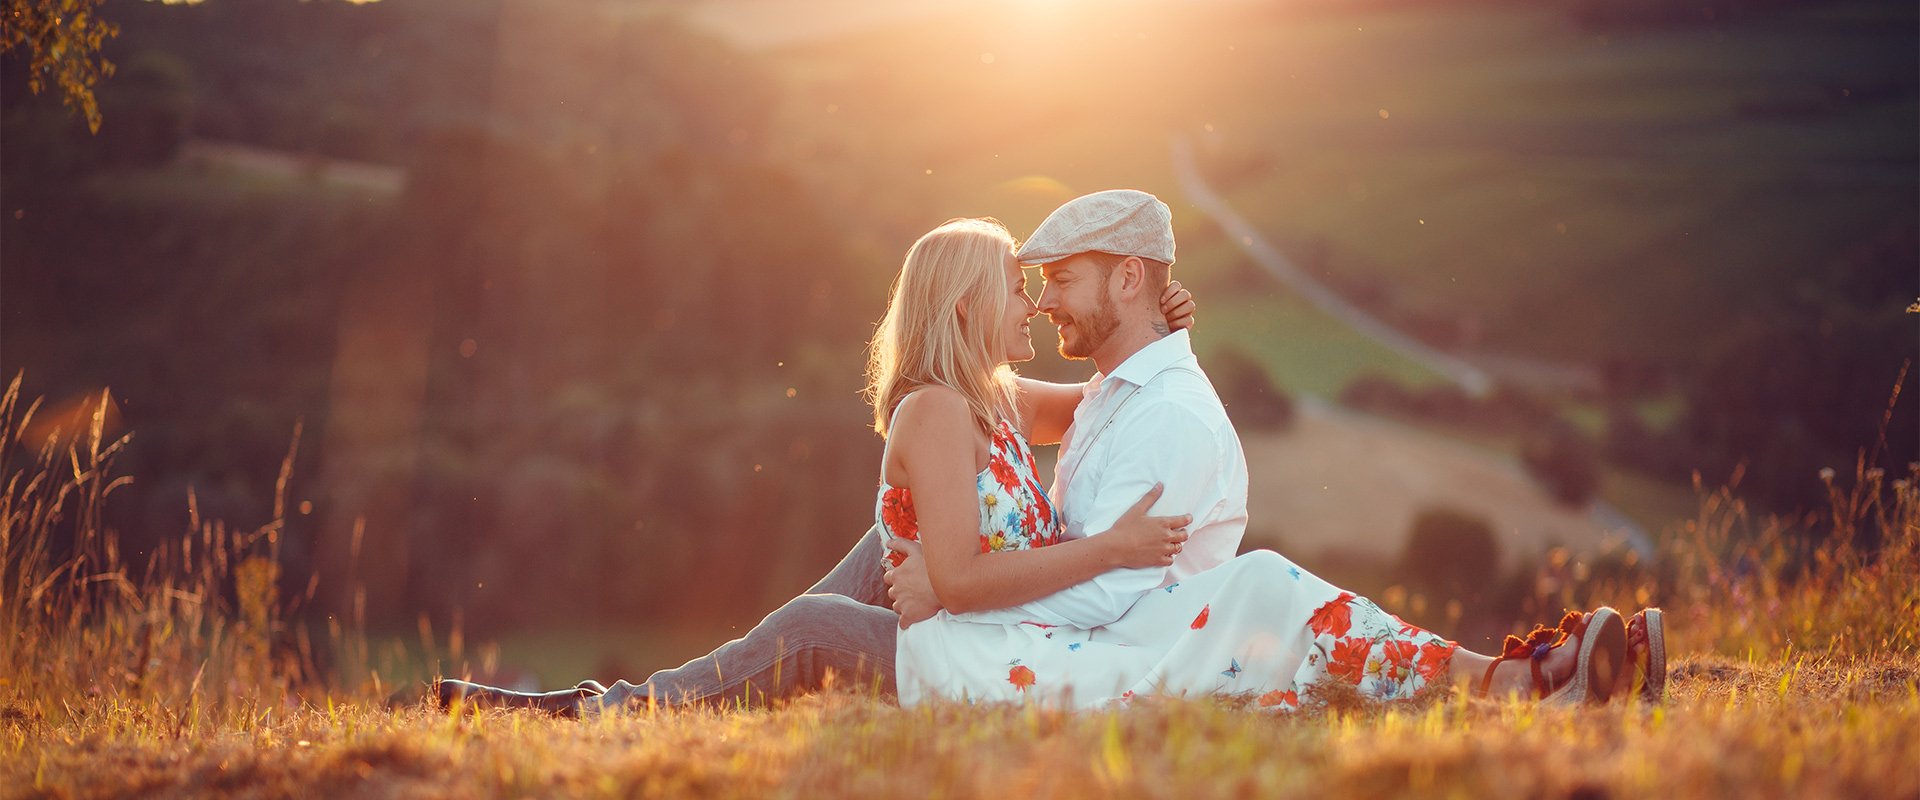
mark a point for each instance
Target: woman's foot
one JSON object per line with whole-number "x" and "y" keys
{"x": 1579, "y": 661}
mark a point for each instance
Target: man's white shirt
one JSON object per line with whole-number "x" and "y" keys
{"x": 1156, "y": 419}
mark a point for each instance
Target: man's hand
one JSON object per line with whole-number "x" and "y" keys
{"x": 908, "y": 585}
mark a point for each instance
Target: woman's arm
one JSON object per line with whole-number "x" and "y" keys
{"x": 1046, "y": 409}
{"x": 936, "y": 442}
{"x": 1013, "y": 577}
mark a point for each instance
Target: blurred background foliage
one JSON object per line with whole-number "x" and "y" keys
{"x": 570, "y": 296}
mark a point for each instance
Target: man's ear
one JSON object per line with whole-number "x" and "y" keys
{"x": 1133, "y": 275}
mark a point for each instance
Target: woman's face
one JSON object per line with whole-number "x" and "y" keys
{"x": 1017, "y": 334}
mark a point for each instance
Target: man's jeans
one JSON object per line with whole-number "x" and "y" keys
{"x": 842, "y": 624}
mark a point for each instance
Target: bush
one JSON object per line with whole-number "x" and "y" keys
{"x": 1254, "y": 402}
{"x": 1452, "y": 555}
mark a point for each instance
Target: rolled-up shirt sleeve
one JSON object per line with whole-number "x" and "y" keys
{"x": 1159, "y": 443}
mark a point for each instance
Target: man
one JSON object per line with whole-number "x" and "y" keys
{"x": 1149, "y": 416}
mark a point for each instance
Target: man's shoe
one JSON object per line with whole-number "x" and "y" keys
{"x": 565, "y": 703}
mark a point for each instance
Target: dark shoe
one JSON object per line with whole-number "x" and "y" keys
{"x": 566, "y": 702}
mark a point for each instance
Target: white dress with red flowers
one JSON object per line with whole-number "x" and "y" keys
{"x": 1257, "y": 627}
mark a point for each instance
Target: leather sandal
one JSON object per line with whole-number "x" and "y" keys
{"x": 1603, "y": 644}
{"x": 1650, "y": 655}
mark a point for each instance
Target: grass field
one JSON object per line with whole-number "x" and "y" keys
{"x": 1803, "y": 729}
{"x": 1795, "y": 673}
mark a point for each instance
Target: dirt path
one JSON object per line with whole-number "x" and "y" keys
{"x": 1350, "y": 483}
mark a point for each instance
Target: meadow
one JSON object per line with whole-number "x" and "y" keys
{"x": 1556, "y": 191}
{"x": 1553, "y": 191}
{"x": 1796, "y": 673}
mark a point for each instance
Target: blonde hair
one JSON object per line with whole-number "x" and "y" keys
{"x": 927, "y": 340}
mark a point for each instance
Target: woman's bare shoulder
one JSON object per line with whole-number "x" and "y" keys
{"x": 931, "y": 405}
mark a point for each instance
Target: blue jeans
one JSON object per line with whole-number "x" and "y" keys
{"x": 842, "y": 624}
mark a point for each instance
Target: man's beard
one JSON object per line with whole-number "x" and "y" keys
{"x": 1090, "y": 331}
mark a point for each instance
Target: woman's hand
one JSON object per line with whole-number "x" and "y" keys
{"x": 1138, "y": 541}
{"x": 1177, "y": 304}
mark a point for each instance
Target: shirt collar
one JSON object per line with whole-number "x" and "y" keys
{"x": 1151, "y": 360}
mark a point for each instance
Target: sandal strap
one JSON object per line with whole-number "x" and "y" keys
{"x": 1534, "y": 647}
{"x": 1486, "y": 680}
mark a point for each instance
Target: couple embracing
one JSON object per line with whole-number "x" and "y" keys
{"x": 1120, "y": 582}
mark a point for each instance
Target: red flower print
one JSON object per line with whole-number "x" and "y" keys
{"x": 1349, "y": 659}
{"x": 1399, "y": 653}
{"x": 1335, "y": 618}
{"x": 1435, "y": 656}
{"x": 1004, "y": 474}
{"x": 1020, "y": 677}
{"x": 1201, "y": 620}
{"x": 1279, "y": 698}
{"x": 896, "y": 513}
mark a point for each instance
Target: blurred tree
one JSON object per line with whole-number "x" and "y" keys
{"x": 1450, "y": 555}
{"x": 152, "y": 103}
{"x": 1805, "y": 384}
{"x": 1562, "y": 459}
{"x": 62, "y": 40}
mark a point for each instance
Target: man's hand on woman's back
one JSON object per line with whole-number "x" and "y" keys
{"x": 908, "y": 586}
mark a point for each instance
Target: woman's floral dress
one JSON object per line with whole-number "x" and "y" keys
{"x": 1257, "y": 627}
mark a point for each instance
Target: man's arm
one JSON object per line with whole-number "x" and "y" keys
{"x": 1162, "y": 443}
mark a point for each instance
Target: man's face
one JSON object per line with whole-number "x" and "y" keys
{"x": 1078, "y": 300}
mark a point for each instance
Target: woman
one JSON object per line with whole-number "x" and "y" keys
{"x": 958, "y": 423}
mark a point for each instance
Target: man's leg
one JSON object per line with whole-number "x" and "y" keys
{"x": 787, "y": 654}
{"x": 859, "y": 575}
{"x": 766, "y": 658}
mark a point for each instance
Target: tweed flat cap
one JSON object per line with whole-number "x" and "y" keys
{"x": 1125, "y": 222}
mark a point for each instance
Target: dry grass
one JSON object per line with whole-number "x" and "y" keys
{"x": 1799, "y": 676}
